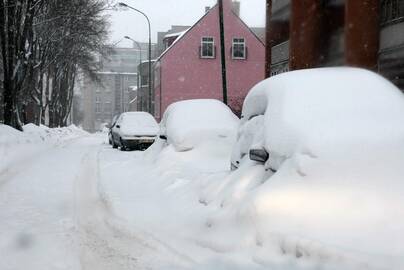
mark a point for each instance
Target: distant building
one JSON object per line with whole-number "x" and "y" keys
{"x": 114, "y": 89}
{"x": 143, "y": 92}
{"x": 109, "y": 96}
{"x": 191, "y": 68}
{"x": 161, "y": 37}
{"x": 318, "y": 33}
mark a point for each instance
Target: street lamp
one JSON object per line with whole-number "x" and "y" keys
{"x": 138, "y": 46}
{"x": 150, "y": 73}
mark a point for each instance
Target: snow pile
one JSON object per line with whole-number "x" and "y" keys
{"x": 17, "y": 146}
{"x": 187, "y": 123}
{"x": 55, "y": 135}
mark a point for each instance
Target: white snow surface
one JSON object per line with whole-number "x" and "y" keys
{"x": 17, "y": 146}
{"x": 188, "y": 123}
{"x": 333, "y": 204}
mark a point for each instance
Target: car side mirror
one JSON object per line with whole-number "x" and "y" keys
{"x": 163, "y": 137}
{"x": 259, "y": 155}
{"x": 118, "y": 126}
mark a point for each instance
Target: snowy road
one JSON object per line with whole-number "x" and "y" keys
{"x": 55, "y": 214}
{"x": 78, "y": 204}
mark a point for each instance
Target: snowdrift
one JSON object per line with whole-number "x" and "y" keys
{"x": 16, "y": 146}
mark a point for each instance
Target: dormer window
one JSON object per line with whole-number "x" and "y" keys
{"x": 238, "y": 48}
{"x": 207, "y": 47}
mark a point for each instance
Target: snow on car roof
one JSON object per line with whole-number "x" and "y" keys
{"x": 188, "y": 122}
{"x": 318, "y": 107}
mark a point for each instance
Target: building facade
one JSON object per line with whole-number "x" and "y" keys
{"x": 190, "y": 68}
{"x": 114, "y": 89}
{"x": 143, "y": 93}
{"x": 321, "y": 33}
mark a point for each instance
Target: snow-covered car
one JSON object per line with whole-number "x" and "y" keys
{"x": 134, "y": 130}
{"x": 320, "y": 157}
{"x": 186, "y": 124}
{"x": 306, "y": 111}
{"x": 111, "y": 127}
{"x": 196, "y": 137}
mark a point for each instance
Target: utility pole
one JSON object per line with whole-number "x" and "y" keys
{"x": 268, "y": 39}
{"x": 223, "y": 51}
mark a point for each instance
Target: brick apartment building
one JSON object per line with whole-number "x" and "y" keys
{"x": 320, "y": 33}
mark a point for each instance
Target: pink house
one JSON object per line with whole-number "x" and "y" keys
{"x": 191, "y": 68}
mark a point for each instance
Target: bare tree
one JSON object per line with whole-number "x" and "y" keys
{"x": 16, "y": 26}
{"x": 44, "y": 44}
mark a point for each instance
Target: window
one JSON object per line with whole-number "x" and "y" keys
{"x": 392, "y": 10}
{"x": 208, "y": 47}
{"x": 97, "y": 107}
{"x": 238, "y": 48}
{"x": 107, "y": 107}
{"x": 97, "y": 104}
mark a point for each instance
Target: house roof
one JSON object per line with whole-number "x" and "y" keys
{"x": 176, "y": 34}
{"x": 184, "y": 33}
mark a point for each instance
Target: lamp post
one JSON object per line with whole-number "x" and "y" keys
{"x": 140, "y": 60}
{"x": 138, "y": 46}
{"x": 150, "y": 73}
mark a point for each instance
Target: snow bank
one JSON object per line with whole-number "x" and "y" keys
{"x": 188, "y": 123}
{"x": 17, "y": 146}
{"x": 45, "y": 134}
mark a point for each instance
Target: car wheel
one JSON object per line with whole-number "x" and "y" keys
{"x": 123, "y": 147}
{"x": 114, "y": 145}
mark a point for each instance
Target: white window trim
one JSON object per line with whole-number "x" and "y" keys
{"x": 213, "y": 48}
{"x": 244, "y": 51}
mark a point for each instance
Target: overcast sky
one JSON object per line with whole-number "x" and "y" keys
{"x": 164, "y": 13}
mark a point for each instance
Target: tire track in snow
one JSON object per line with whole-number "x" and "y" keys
{"x": 99, "y": 247}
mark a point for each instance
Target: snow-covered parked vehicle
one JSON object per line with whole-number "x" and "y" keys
{"x": 309, "y": 110}
{"x": 319, "y": 161}
{"x": 196, "y": 137}
{"x": 134, "y": 130}
{"x": 186, "y": 124}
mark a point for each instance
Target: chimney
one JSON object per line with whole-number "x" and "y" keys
{"x": 207, "y": 9}
{"x": 236, "y": 7}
